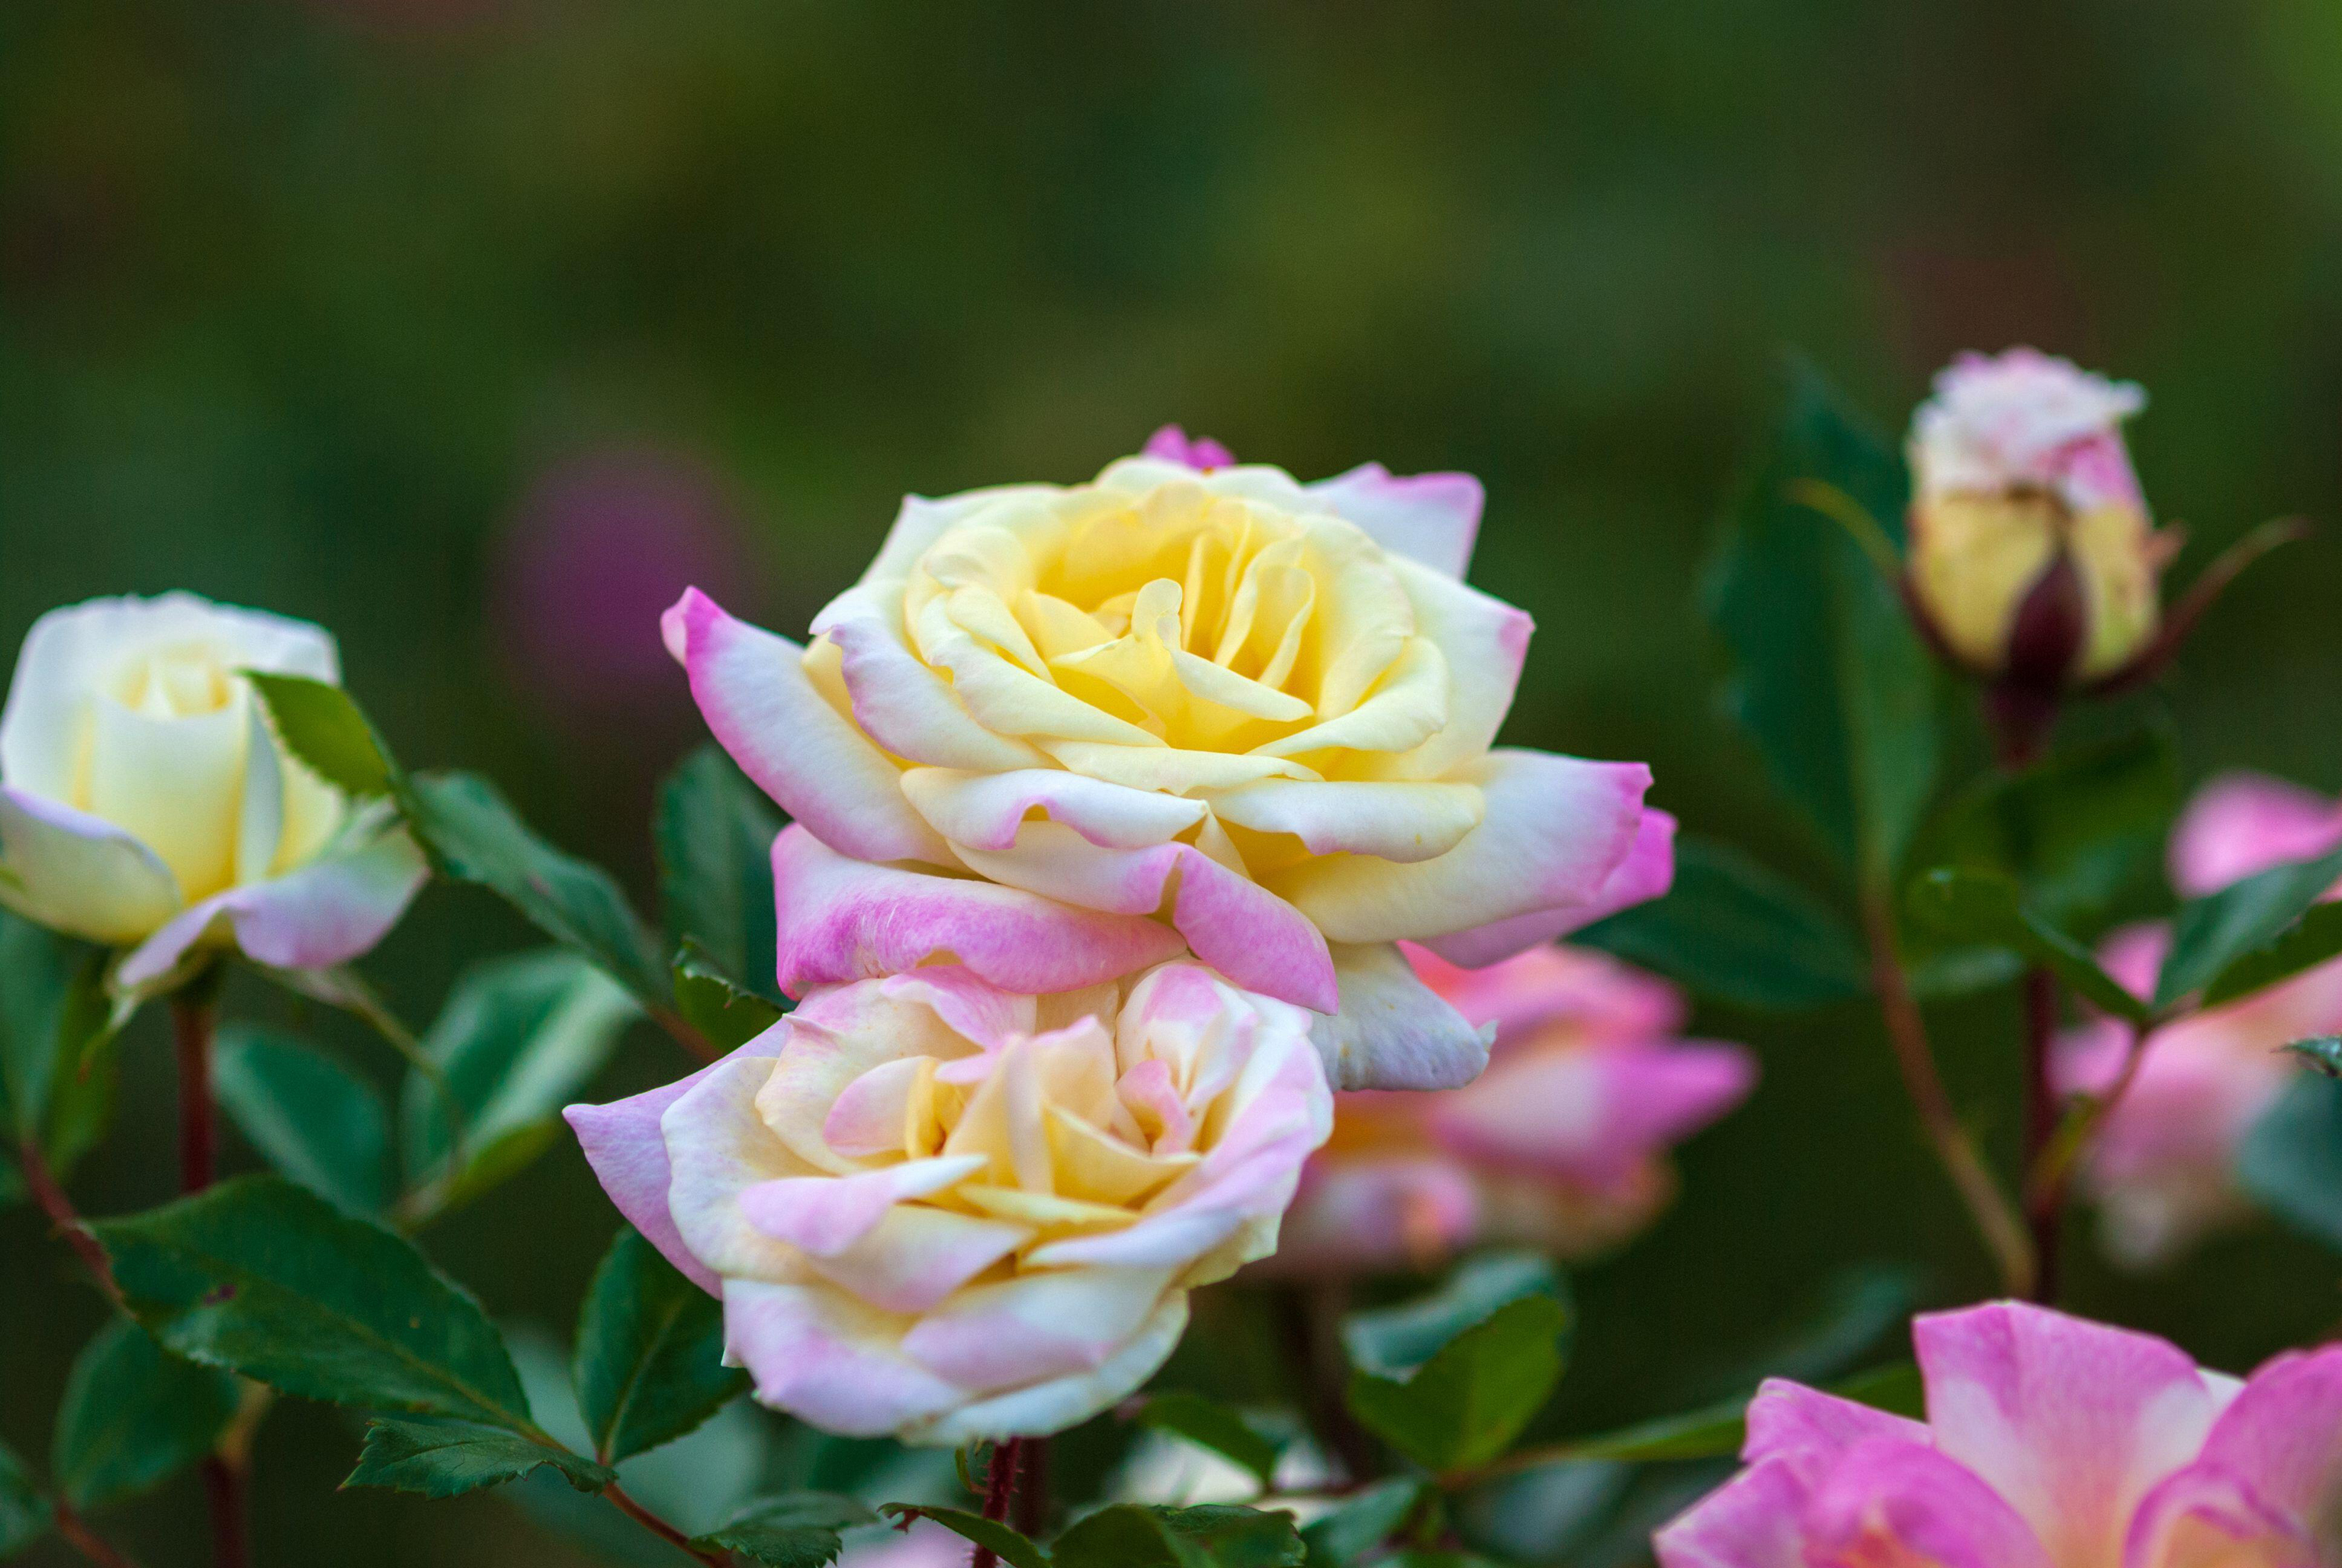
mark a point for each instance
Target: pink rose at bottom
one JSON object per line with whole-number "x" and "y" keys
{"x": 1561, "y": 1144}
{"x": 946, "y": 1210}
{"x": 2050, "y": 1442}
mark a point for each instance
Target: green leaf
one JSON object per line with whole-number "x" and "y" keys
{"x": 798, "y": 1530}
{"x": 133, "y": 1417}
{"x": 1127, "y": 1535}
{"x": 519, "y": 1038}
{"x": 1829, "y": 679}
{"x": 309, "y": 1115}
{"x": 2308, "y": 943}
{"x": 268, "y": 1280}
{"x": 650, "y": 1353}
{"x": 448, "y": 1458}
{"x": 1213, "y": 1425}
{"x": 1009, "y": 1546}
{"x": 474, "y": 835}
{"x": 725, "y": 1016}
{"x": 2238, "y": 921}
{"x": 1466, "y": 1404}
{"x": 1362, "y": 1523}
{"x": 1394, "y": 1341}
{"x": 322, "y": 726}
{"x": 715, "y": 833}
{"x": 25, "y": 1513}
{"x": 2323, "y": 1051}
{"x": 1985, "y": 907}
{"x": 57, "y": 1028}
{"x": 2074, "y": 831}
{"x": 2291, "y": 1160}
{"x": 1732, "y": 931}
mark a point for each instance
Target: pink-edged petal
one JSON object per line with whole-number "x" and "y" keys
{"x": 1646, "y": 873}
{"x": 753, "y": 689}
{"x": 2244, "y": 823}
{"x": 1811, "y": 1430}
{"x": 717, "y": 1148}
{"x": 325, "y": 912}
{"x": 80, "y": 873}
{"x": 1366, "y": 1214}
{"x": 1173, "y": 444}
{"x": 1753, "y": 1521}
{"x": 1433, "y": 518}
{"x": 986, "y": 811}
{"x": 1389, "y": 820}
{"x": 827, "y": 1214}
{"x": 623, "y": 1144}
{"x": 900, "y": 703}
{"x": 829, "y": 1359}
{"x": 2210, "y": 1516}
{"x": 2072, "y": 1422}
{"x": 1587, "y": 989}
{"x": 1230, "y": 921}
{"x": 2284, "y": 1429}
{"x": 968, "y": 1004}
{"x": 1483, "y": 642}
{"x": 1393, "y": 1032}
{"x": 1597, "y": 1114}
{"x": 1063, "y": 1402}
{"x": 1888, "y": 1500}
{"x": 843, "y": 920}
{"x": 1035, "y": 1326}
{"x": 1556, "y": 829}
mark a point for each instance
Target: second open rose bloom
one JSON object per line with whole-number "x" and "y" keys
{"x": 1561, "y": 1144}
{"x": 944, "y": 1211}
{"x": 1258, "y": 711}
{"x": 2163, "y": 1168}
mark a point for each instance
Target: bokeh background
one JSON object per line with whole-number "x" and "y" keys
{"x": 474, "y": 329}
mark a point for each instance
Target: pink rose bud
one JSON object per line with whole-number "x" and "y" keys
{"x": 2162, "y": 1168}
{"x": 2031, "y": 553}
{"x": 949, "y": 1212}
{"x": 146, "y": 802}
{"x": 1561, "y": 1144}
{"x": 2050, "y": 1442}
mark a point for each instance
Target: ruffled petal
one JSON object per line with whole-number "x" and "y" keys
{"x": 1753, "y": 1521}
{"x": 1892, "y": 1501}
{"x": 1063, "y": 1402}
{"x": 831, "y": 1360}
{"x": 1811, "y": 1430}
{"x": 898, "y": 701}
{"x": 1389, "y": 820}
{"x": 985, "y": 811}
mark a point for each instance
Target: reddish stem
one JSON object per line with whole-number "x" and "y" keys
{"x": 2045, "y": 1207}
{"x": 194, "y": 1017}
{"x": 76, "y": 1533}
{"x": 661, "y": 1528}
{"x": 41, "y": 1182}
{"x": 999, "y": 1492}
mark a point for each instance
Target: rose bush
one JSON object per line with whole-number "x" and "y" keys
{"x": 146, "y": 803}
{"x": 946, "y": 1211}
{"x": 2163, "y": 1168}
{"x": 1262, "y": 710}
{"x": 2049, "y": 1443}
{"x": 1561, "y": 1144}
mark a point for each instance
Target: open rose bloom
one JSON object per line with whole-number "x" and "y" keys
{"x": 1561, "y": 1144}
{"x": 2049, "y": 1443}
{"x": 939, "y": 1209}
{"x": 1256, "y": 711}
{"x": 145, "y": 803}
{"x": 2162, "y": 1169}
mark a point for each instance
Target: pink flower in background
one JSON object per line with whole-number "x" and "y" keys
{"x": 1561, "y": 1144}
{"x": 2162, "y": 1170}
{"x": 2050, "y": 1442}
{"x": 601, "y": 543}
{"x": 943, "y": 1209}
{"x": 1258, "y": 711}
{"x": 925, "y": 1545}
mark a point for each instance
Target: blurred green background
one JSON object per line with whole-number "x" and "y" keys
{"x": 474, "y": 328}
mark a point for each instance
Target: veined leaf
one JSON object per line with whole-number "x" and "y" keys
{"x": 715, "y": 833}
{"x": 312, "y": 1117}
{"x": 324, "y": 728}
{"x": 1127, "y": 1535}
{"x": 448, "y": 1458}
{"x": 798, "y": 1530}
{"x": 650, "y": 1353}
{"x": 2209, "y": 935}
{"x": 133, "y": 1416}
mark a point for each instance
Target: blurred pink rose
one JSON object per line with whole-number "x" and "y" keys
{"x": 1258, "y": 711}
{"x": 925, "y": 1545}
{"x": 1561, "y": 1144}
{"x": 2050, "y": 1442}
{"x": 2162, "y": 1169}
{"x": 946, "y": 1211}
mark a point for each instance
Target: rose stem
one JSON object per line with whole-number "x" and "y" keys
{"x": 2019, "y": 738}
{"x": 1032, "y": 1513}
{"x": 76, "y": 1533}
{"x": 194, "y": 1014}
{"x": 43, "y": 1185}
{"x": 999, "y": 1489}
{"x": 661, "y": 1528}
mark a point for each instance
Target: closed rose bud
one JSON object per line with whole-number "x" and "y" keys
{"x": 2032, "y": 556}
{"x": 146, "y": 803}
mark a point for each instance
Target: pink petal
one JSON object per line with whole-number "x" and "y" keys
{"x": 1595, "y": 1115}
{"x": 2072, "y": 1422}
{"x": 2284, "y": 1430}
{"x": 2210, "y": 1514}
{"x": 1172, "y": 445}
{"x": 752, "y": 690}
{"x": 987, "y": 811}
{"x": 2244, "y": 823}
{"x": 1892, "y": 1501}
{"x": 1035, "y": 1326}
{"x": 320, "y": 914}
{"x": 1646, "y": 873}
{"x": 1430, "y": 517}
{"x": 823, "y": 1359}
{"x": 843, "y": 920}
{"x": 827, "y": 1215}
{"x": 1753, "y": 1521}
{"x": 1811, "y": 1430}
{"x": 1364, "y": 1214}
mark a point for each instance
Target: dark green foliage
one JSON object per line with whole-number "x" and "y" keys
{"x": 650, "y": 1346}
{"x": 313, "y": 1118}
{"x": 1985, "y": 907}
{"x": 322, "y": 726}
{"x": 798, "y": 1530}
{"x": 448, "y": 1458}
{"x": 2292, "y": 1159}
{"x": 714, "y": 832}
{"x": 133, "y": 1416}
{"x": 1128, "y": 1536}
